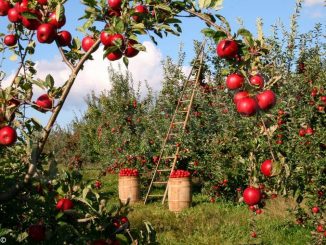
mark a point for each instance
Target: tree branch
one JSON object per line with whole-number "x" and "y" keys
{"x": 68, "y": 63}
{"x": 209, "y": 22}
{"x": 56, "y": 111}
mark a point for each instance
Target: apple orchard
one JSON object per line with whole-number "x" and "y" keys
{"x": 257, "y": 128}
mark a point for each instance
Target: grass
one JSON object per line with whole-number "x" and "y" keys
{"x": 208, "y": 223}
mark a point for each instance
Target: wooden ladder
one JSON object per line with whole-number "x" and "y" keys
{"x": 177, "y": 128}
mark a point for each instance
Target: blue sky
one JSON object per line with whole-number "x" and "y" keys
{"x": 247, "y": 10}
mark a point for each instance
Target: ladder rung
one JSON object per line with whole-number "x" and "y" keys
{"x": 160, "y": 182}
{"x": 183, "y": 111}
{"x": 178, "y": 123}
{"x": 172, "y": 134}
{"x": 181, "y": 101}
{"x": 168, "y": 157}
{"x": 155, "y": 195}
{"x": 163, "y": 170}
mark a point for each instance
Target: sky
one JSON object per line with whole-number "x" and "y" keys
{"x": 147, "y": 65}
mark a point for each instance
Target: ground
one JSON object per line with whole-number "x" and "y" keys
{"x": 212, "y": 223}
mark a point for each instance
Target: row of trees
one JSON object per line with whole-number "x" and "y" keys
{"x": 224, "y": 149}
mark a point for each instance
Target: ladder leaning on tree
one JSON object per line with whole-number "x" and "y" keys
{"x": 170, "y": 148}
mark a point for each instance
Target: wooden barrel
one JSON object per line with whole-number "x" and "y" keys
{"x": 179, "y": 193}
{"x": 129, "y": 189}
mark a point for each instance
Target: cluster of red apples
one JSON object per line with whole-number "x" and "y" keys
{"x": 246, "y": 104}
{"x": 37, "y": 232}
{"x": 116, "y": 44}
{"x": 179, "y": 173}
{"x": 8, "y": 135}
{"x": 38, "y": 18}
{"x": 46, "y": 23}
{"x": 128, "y": 172}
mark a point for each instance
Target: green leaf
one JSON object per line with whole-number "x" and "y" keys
{"x": 139, "y": 47}
{"x": 163, "y": 7}
{"x": 213, "y": 4}
{"x": 109, "y": 50}
{"x": 37, "y": 124}
{"x": 224, "y": 21}
{"x": 208, "y": 32}
{"x": 29, "y": 15}
{"x": 39, "y": 83}
{"x": 59, "y": 12}
{"x": 59, "y": 215}
{"x": 49, "y": 81}
{"x": 246, "y": 35}
{"x": 119, "y": 26}
{"x": 85, "y": 192}
{"x": 204, "y": 3}
{"x": 126, "y": 61}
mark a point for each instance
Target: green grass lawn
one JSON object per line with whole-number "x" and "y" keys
{"x": 212, "y": 223}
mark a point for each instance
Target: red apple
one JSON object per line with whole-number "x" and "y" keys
{"x": 22, "y": 6}
{"x": 124, "y": 220}
{"x": 247, "y": 106}
{"x": 14, "y": 15}
{"x": 64, "y": 38}
{"x": 266, "y": 99}
{"x": 42, "y": 2}
{"x": 116, "y": 55}
{"x": 320, "y": 228}
{"x": 323, "y": 98}
{"x": 10, "y": 40}
{"x": 252, "y": 208}
{"x": 57, "y": 23}
{"x": 8, "y": 136}
{"x": 4, "y": 7}
{"x": 115, "y": 4}
{"x": 31, "y": 24}
{"x": 98, "y": 184}
{"x": 64, "y": 204}
{"x": 227, "y": 48}
{"x": 266, "y": 167}
{"x": 238, "y": 96}
{"x": 44, "y": 101}
{"x": 36, "y": 232}
{"x": 259, "y": 211}
{"x": 302, "y": 132}
{"x": 234, "y": 81}
{"x": 113, "y": 39}
{"x": 315, "y": 210}
{"x": 87, "y": 43}
{"x": 251, "y": 196}
{"x": 257, "y": 80}
{"x": 253, "y": 234}
{"x": 309, "y": 131}
{"x": 130, "y": 51}
{"x": 46, "y": 33}
{"x": 112, "y": 12}
{"x": 140, "y": 10}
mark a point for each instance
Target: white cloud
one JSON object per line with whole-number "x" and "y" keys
{"x": 314, "y": 2}
{"x": 95, "y": 76}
